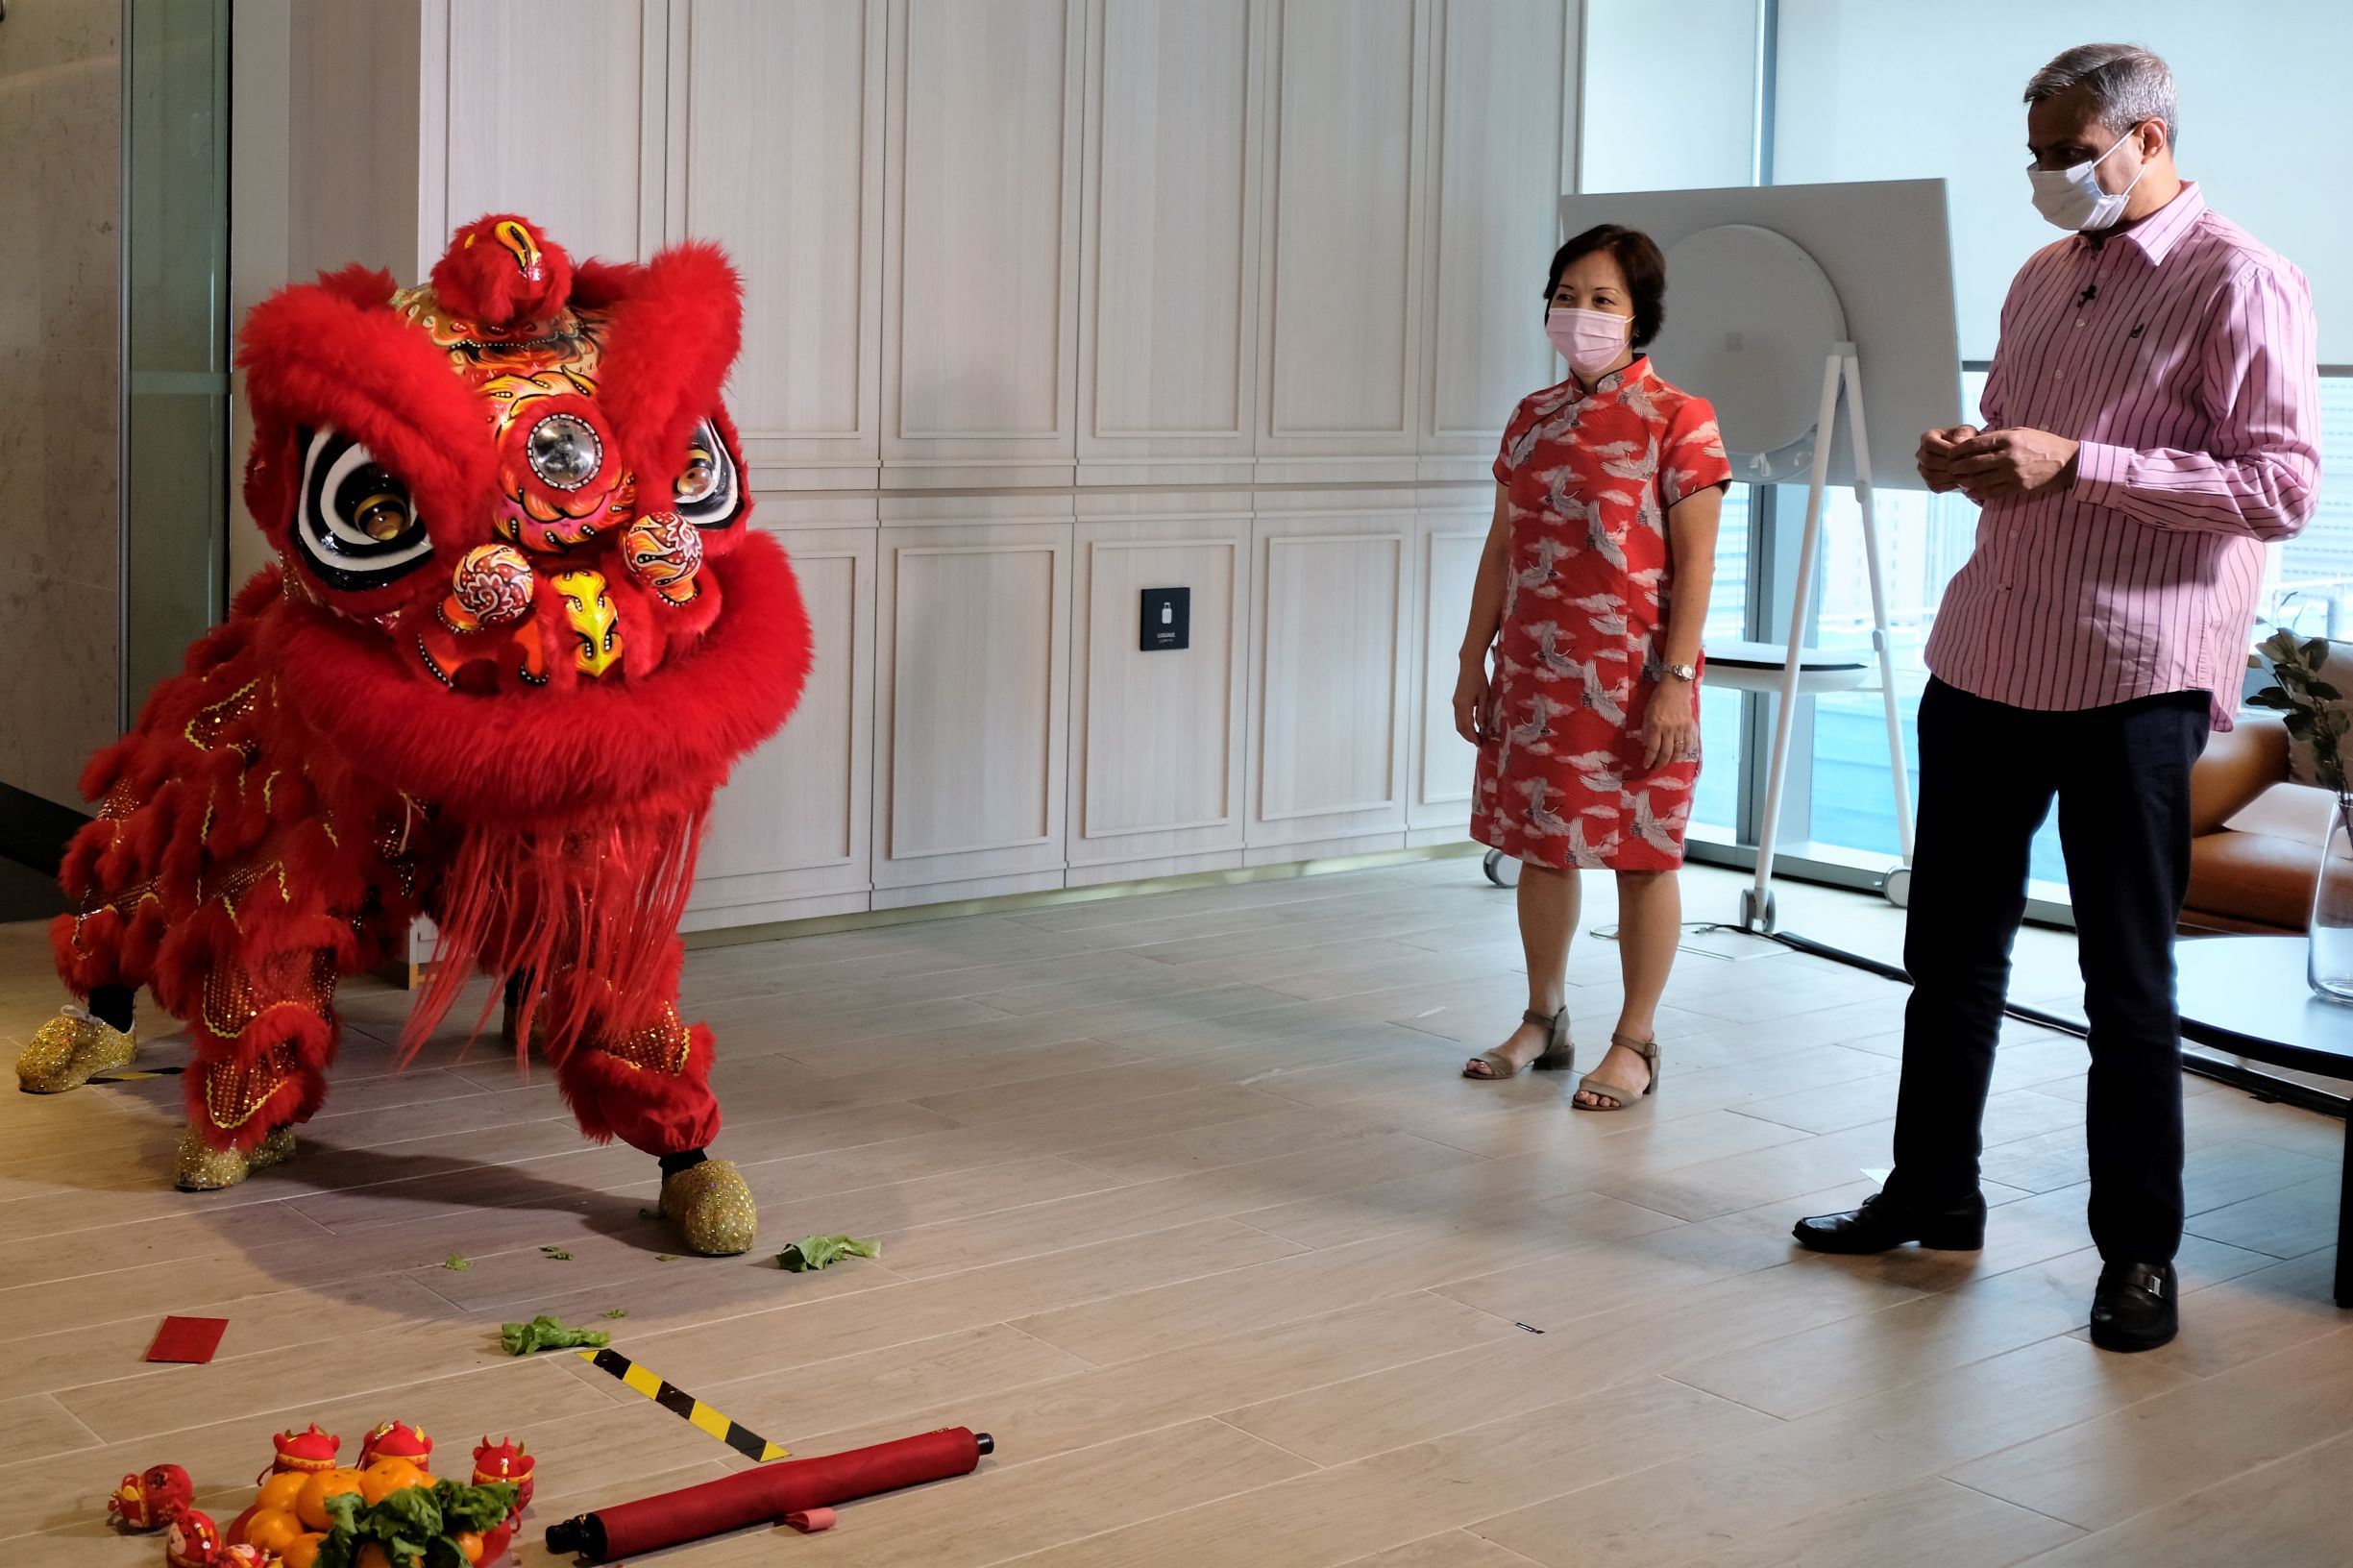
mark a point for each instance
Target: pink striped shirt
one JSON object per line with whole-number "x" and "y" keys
{"x": 2181, "y": 354}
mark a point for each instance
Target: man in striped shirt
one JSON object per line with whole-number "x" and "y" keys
{"x": 2151, "y": 424}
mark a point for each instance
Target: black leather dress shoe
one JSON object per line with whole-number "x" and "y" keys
{"x": 2135, "y": 1307}
{"x": 1883, "y": 1223}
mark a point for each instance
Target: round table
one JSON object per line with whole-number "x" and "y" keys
{"x": 2248, "y": 996}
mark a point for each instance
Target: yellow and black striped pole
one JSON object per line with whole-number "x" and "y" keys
{"x": 678, "y": 1402}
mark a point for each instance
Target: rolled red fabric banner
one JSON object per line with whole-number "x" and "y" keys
{"x": 771, "y": 1491}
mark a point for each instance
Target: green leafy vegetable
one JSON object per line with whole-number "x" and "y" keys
{"x": 415, "y": 1526}
{"x": 545, "y": 1333}
{"x": 816, "y": 1251}
{"x": 479, "y": 1509}
{"x": 559, "y": 1254}
{"x": 455, "y": 1262}
{"x": 665, "y": 1257}
{"x": 617, "y": 1311}
{"x": 406, "y": 1522}
{"x": 344, "y": 1509}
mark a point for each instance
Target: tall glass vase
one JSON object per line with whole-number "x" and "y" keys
{"x": 2331, "y": 970}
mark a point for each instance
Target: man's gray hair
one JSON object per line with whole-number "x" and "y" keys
{"x": 2130, "y": 84}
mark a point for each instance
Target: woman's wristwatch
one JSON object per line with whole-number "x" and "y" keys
{"x": 1685, "y": 672}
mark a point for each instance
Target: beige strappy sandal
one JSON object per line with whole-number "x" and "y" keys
{"x": 1560, "y": 1053}
{"x": 1648, "y": 1050}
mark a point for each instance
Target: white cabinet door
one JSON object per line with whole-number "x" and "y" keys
{"x": 1330, "y": 682}
{"x": 775, "y": 153}
{"x": 973, "y": 653}
{"x": 1168, "y": 325}
{"x": 1498, "y": 166}
{"x": 1341, "y": 367}
{"x": 1449, "y": 536}
{"x": 981, "y": 221}
{"x": 1158, "y": 737}
{"x": 789, "y": 835}
{"x": 553, "y": 108}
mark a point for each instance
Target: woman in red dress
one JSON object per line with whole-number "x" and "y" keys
{"x": 1590, "y": 596}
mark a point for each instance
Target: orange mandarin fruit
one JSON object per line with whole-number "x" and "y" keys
{"x": 386, "y": 1476}
{"x": 312, "y": 1503}
{"x": 271, "y": 1529}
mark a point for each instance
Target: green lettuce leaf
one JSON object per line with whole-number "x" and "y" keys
{"x": 817, "y": 1251}
{"x": 545, "y": 1333}
{"x": 406, "y": 1522}
{"x": 342, "y": 1543}
{"x": 479, "y": 1509}
{"x": 416, "y": 1526}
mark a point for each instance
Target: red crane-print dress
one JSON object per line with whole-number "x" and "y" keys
{"x": 1590, "y": 477}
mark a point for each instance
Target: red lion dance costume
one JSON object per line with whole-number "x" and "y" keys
{"x": 517, "y": 635}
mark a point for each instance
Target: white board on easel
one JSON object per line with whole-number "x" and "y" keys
{"x": 1773, "y": 291}
{"x": 1885, "y": 247}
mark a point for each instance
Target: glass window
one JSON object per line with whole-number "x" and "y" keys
{"x": 1923, "y": 541}
{"x": 1887, "y": 89}
{"x": 1715, "y": 804}
{"x": 176, "y": 441}
{"x": 1849, "y": 100}
{"x": 1709, "y": 57}
{"x": 2312, "y": 574}
{"x": 1926, "y": 539}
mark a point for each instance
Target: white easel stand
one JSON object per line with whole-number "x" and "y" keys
{"x": 1757, "y": 906}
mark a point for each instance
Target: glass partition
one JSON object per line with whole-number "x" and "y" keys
{"x": 1792, "y": 91}
{"x": 176, "y": 329}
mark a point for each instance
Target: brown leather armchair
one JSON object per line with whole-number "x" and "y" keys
{"x": 2255, "y": 845}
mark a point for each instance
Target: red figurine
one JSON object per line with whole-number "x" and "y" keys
{"x": 505, "y": 1461}
{"x": 194, "y": 1542}
{"x": 151, "y": 1499}
{"x": 305, "y": 1453}
{"x": 397, "y": 1440}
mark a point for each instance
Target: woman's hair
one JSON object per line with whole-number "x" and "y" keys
{"x": 1637, "y": 257}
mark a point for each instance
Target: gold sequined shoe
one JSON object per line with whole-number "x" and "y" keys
{"x": 711, "y": 1204}
{"x": 70, "y": 1049}
{"x": 204, "y": 1168}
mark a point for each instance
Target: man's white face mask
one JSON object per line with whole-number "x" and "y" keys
{"x": 2071, "y": 197}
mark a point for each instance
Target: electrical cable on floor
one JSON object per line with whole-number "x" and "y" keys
{"x": 1697, "y": 928}
{"x": 2263, "y": 1085}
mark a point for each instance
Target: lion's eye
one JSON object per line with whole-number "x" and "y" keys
{"x": 700, "y": 473}
{"x": 705, "y": 491}
{"x": 383, "y": 514}
{"x": 354, "y": 523}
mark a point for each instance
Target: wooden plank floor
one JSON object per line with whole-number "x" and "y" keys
{"x": 1183, "y": 1199}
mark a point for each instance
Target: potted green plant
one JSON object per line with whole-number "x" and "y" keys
{"x": 2316, "y": 716}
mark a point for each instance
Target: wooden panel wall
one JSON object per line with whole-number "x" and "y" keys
{"x": 1049, "y": 302}
{"x": 776, "y": 151}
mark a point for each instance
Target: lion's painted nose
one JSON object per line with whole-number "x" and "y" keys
{"x": 589, "y": 610}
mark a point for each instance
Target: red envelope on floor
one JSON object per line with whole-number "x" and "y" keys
{"x": 187, "y": 1339}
